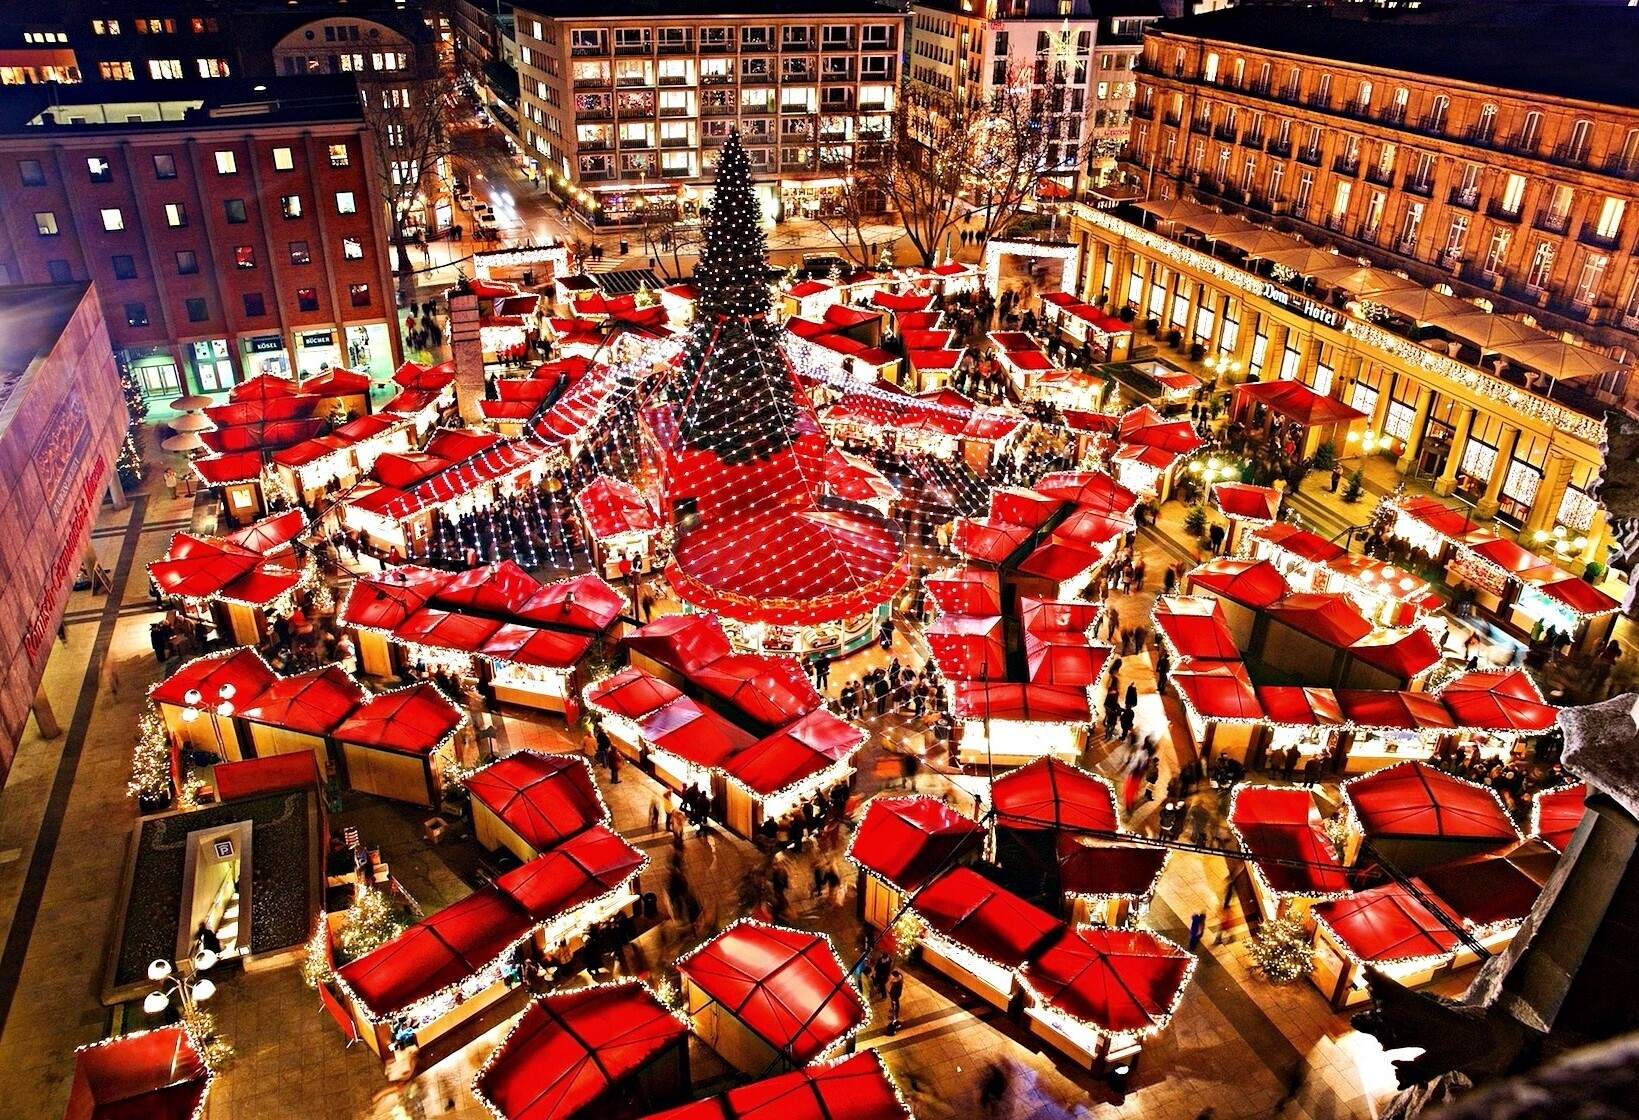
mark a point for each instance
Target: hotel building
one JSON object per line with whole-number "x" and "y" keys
{"x": 626, "y": 107}
{"x": 1492, "y": 164}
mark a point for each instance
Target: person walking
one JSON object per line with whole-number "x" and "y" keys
{"x": 1197, "y": 930}
{"x": 896, "y": 990}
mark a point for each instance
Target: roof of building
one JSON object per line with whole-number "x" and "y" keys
{"x": 32, "y": 318}
{"x": 1046, "y": 9}
{"x": 193, "y": 103}
{"x": 667, "y": 9}
{"x": 1577, "y": 51}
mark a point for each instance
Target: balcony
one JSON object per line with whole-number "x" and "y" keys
{"x": 1381, "y": 176}
{"x": 800, "y": 75}
{"x": 1495, "y": 209}
{"x": 802, "y": 108}
{"x": 592, "y": 83}
{"x": 1570, "y": 155}
{"x": 1172, "y": 120}
{"x": 676, "y": 142}
{"x": 756, "y": 46}
{"x": 1346, "y": 165}
{"x": 643, "y": 47}
{"x": 1323, "y": 102}
{"x": 1281, "y": 149}
{"x": 1523, "y": 144}
{"x": 836, "y": 76}
{"x": 633, "y": 81}
{"x": 1226, "y": 133}
{"x": 596, "y": 176}
{"x": 1431, "y": 124}
{"x": 673, "y": 79}
{"x": 717, "y": 110}
{"x": 1253, "y": 140}
{"x": 1200, "y": 126}
{"x": 1551, "y": 222}
{"x": 1484, "y": 136}
{"x": 873, "y": 106}
{"x": 685, "y": 46}
{"x": 1337, "y": 223}
{"x": 1466, "y": 197}
{"x": 1423, "y": 186}
{"x": 1619, "y": 165}
{"x": 602, "y": 145}
{"x": 1590, "y": 235}
{"x": 757, "y": 78}
{"x": 592, "y": 114}
{"x": 1406, "y": 245}
{"x": 839, "y": 44}
{"x": 1311, "y": 156}
{"x": 588, "y": 50}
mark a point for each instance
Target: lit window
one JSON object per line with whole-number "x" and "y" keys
{"x": 165, "y": 68}
{"x": 226, "y": 164}
{"x": 176, "y": 215}
{"x": 244, "y": 256}
{"x": 282, "y": 160}
{"x": 101, "y": 171}
{"x": 113, "y": 219}
{"x": 359, "y": 294}
{"x": 351, "y": 250}
{"x": 299, "y": 253}
{"x": 1609, "y": 224}
{"x": 164, "y": 166}
{"x": 338, "y": 155}
{"x": 45, "y": 223}
{"x": 213, "y": 67}
{"x": 116, "y": 71}
{"x": 290, "y": 205}
{"x": 345, "y": 203}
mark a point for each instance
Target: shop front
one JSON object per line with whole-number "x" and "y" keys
{"x": 632, "y": 206}
{"x": 154, "y": 369}
{"x": 812, "y": 198}
{"x": 370, "y": 350}
{"x": 212, "y": 361}
{"x": 265, "y": 354}
{"x": 317, "y": 351}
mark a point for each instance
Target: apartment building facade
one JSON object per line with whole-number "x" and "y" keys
{"x": 1516, "y": 199}
{"x": 1074, "y": 59}
{"x": 625, "y": 111}
{"x": 230, "y": 230}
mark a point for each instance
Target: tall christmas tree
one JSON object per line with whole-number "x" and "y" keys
{"x": 739, "y": 398}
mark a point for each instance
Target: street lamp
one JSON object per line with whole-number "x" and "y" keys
{"x": 183, "y": 982}
{"x": 195, "y": 704}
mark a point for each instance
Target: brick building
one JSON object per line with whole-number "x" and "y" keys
{"x": 231, "y": 228}
{"x": 625, "y": 108}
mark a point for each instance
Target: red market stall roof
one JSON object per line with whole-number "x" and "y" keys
{"x": 1253, "y": 583}
{"x": 1029, "y": 508}
{"x": 1387, "y": 924}
{"x": 1217, "y": 690}
{"x": 908, "y": 840}
{"x": 1395, "y": 711}
{"x": 200, "y": 567}
{"x": 543, "y": 798}
{"x": 226, "y": 469}
{"x": 1090, "y": 530}
{"x": 856, "y": 1088}
{"x": 1064, "y": 659}
{"x": 1412, "y": 800}
{"x": 1296, "y": 401}
{"x": 413, "y": 720}
{"x": 1384, "y": 578}
{"x": 681, "y": 642}
{"x": 969, "y": 910}
{"x": 1300, "y": 542}
{"x": 463, "y": 633}
{"x": 337, "y": 382}
{"x": 145, "y": 1075}
{"x": 968, "y": 647}
{"x": 545, "y": 649}
{"x": 314, "y": 703}
{"x": 1116, "y": 981}
{"x": 613, "y": 507}
{"x": 1492, "y": 888}
{"x": 1049, "y": 794}
{"x": 1581, "y": 597}
{"x": 772, "y": 690}
{"x": 986, "y": 539}
{"x": 499, "y": 588}
{"x": 1453, "y": 523}
{"x": 587, "y": 866}
{"x": 794, "y": 753}
{"x": 384, "y": 603}
{"x": 1099, "y": 869}
{"x": 1247, "y": 502}
{"x": 785, "y": 985}
{"x": 965, "y": 590}
{"x": 1300, "y": 707}
{"x": 1517, "y": 561}
{"x": 271, "y": 533}
{"x": 585, "y": 603}
{"x": 1092, "y": 490}
{"x": 696, "y": 735}
{"x": 252, "y": 777}
{"x": 1194, "y": 626}
{"x": 1059, "y": 562}
{"x": 1281, "y": 829}
{"x": 1506, "y": 700}
{"x": 1556, "y": 813}
{"x": 241, "y": 669}
{"x": 631, "y": 693}
{"x": 1144, "y": 427}
{"x": 1329, "y": 618}
{"x": 1010, "y": 700}
{"x": 849, "y": 476}
{"x": 1057, "y": 618}
{"x": 907, "y": 301}
{"x": 1400, "y": 653}
{"x": 573, "y": 1050}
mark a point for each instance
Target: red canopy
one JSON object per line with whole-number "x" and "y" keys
{"x": 584, "y": 602}
{"x": 694, "y": 734}
{"x": 1498, "y": 701}
{"x": 794, "y": 753}
{"x": 145, "y": 1075}
{"x": 543, "y": 798}
{"x": 1059, "y": 561}
{"x": 612, "y": 507}
{"x": 1092, "y": 490}
{"x": 1296, "y": 401}
{"x": 785, "y": 985}
{"x": 1494, "y": 887}
{"x": 252, "y": 777}
{"x": 1030, "y": 508}
{"x": 1247, "y": 502}
{"x": 499, "y": 588}
{"x": 682, "y": 642}
{"x": 1556, "y": 813}
{"x": 583, "y": 868}
{"x": 1056, "y": 619}
{"x": 199, "y": 567}
{"x": 1385, "y": 924}
{"x": 1049, "y": 794}
{"x": 967, "y": 647}
{"x": 573, "y": 1050}
{"x": 1011, "y": 700}
{"x": 1511, "y": 557}
{"x": 527, "y": 645}
{"x": 908, "y": 840}
{"x": 1453, "y": 523}
{"x": 965, "y": 590}
{"x": 412, "y": 720}
{"x": 1300, "y": 707}
{"x": 1580, "y": 596}
{"x": 1300, "y": 542}
{"x": 1328, "y": 618}
{"x": 631, "y": 693}
{"x": 1113, "y": 980}
{"x": 772, "y": 690}
{"x": 1101, "y": 869}
{"x": 986, "y": 539}
{"x": 1400, "y": 653}
{"x": 1194, "y": 626}
{"x": 1406, "y": 711}
{"x": 1414, "y": 800}
{"x": 1282, "y": 831}
{"x": 271, "y": 533}
{"x": 242, "y": 671}
{"x": 966, "y": 908}
{"x": 440, "y": 629}
{"x": 314, "y": 702}
{"x": 1064, "y": 659}
{"x": 856, "y": 1088}
{"x": 1217, "y": 690}
{"x": 1252, "y": 583}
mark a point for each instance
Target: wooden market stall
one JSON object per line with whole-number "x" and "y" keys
{"x": 901, "y": 844}
{"x": 978, "y": 933}
{"x": 856, "y": 1088}
{"x": 397, "y": 744}
{"x": 1293, "y": 862}
{"x": 529, "y": 802}
{"x": 1416, "y": 816}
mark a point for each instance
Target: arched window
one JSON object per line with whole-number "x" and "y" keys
{"x": 1209, "y": 69}
{"x": 1486, "y": 126}
{"x": 1576, "y": 148}
{"x": 1529, "y": 132}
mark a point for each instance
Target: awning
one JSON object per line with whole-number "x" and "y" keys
{"x": 1387, "y": 924}
{"x": 964, "y": 907}
{"x": 909, "y": 840}
{"x": 1412, "y": 800}
{"x": 1281, "y": 829}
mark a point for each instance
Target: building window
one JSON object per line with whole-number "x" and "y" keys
{"x": 1497, "y": 251}
{"x": 1513, "y": 194}
{"x": 31, "y": 173}
{"x": 197, "y": 312}
{"x": 116, "y": 71}
{"x": 213, "y": 68}
{"x": 359, "y": 294}
{"x": 45, "y": 223}
{"x": 244, "y": 256}
{"x": 351, "y": 250}
{"x": 187, "y": 262}
{"x": 290, "y": 205}
{"x": 1609, "y": 224}
{"x": 338, "y": 155}
{"x": 307, "y": 299}
{"x": 345, "y": 203}
{"x": 1591, "y": 280}
{"x": 59, "y": 271}
{"x": 176, "y": 215}
{"x": 113, "y": 219}
{"x": 255, "y": 305}
{"x": 298, "y": 253}
{"x": 164, "y": 166}
{"x": 99, "y": 169}
{"x": 226, "y": 164}
{"x": 283, "y": 160}
{"x": 136, "y": 314}
{"x": 1542, "y": 266}
{"x": 125, "y": 266}
{"x": 165, "y": 68}
{"x": 234, "y": 208}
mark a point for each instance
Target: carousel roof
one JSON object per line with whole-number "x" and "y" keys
{"x": 909, "y": 840}
{"x": 543, "y": 798}
{"x": 572, "y": 1050}
{"x": 785, "y": 985}
{"x": 1281, "y": 829}
{"x": 412, "y": 720}
{"x": 966, "y": 908}
{"x": 1115, "y": 981}
{"x": 1049, "y": 794}
{"x": 856, "y": 1088}
{"x": 1412, "y": 800}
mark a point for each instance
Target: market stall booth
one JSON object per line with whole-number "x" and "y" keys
{"x": 1557, "y": 813}
{"x": 940, "y": 423}
{"x": 621, "y": 523}
{"x": 426, "y": 394}
{"x": 1498, "y": 711}
{"x": 612, "y": 1049}
{"x": 1247, "y": 508}
{"x": 199, "y": 701}
{"x": 1296, "y": 415}
{"x": 1243, "y": 587}
{"x": 261, "y": 416}
{"x": 1293, "y": 862}
{"x": 855, "y": 1088}
{"x": 334, "y": 461}
{"x": 901, "y": 844}
{"x": 1034, "y": 806}
{"x": 1150, "y": 449}
{"x": 299, "y": 713}
{"x": 237, "y": 477}
{"x": 1415, "y": 816}
{"x": 623, "y": 700}
{"x": 1491, "y": 894}
{"x": 1221, "y": 709}
{"x": 157, "y": 1074}
{"x": 237, "y": 583}
{"x": 1096, "y": 994}
{"x": 765, "y": 996}
{"x": 397, "y": 744}
{"x": 529, "y": 802}
{"x": 978, "y": 933}
{"x": 1388, "y": 929}
{"x": 1107, "y": 883}
{"x": 448, "y": 977}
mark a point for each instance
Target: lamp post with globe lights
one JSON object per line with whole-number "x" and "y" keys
{"x": 183, "y": 982}
{"x": 194, "y": 702}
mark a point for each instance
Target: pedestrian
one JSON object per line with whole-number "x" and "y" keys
{"x": 992, "y": 1088}
{"x": 881, "y": 969}
{"x": 880, "y": 690}
{"x": 1337, "y": 475}
{"x": 896, "y": 990}
{"x": 1131, "y": 700}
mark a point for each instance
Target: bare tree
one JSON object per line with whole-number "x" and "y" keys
{"x": 409, "y": 121}
{"x": 928, "y": 154}
{"x": 1014, "y": 150}
{"x": 858, "y": 200}
{"x": 666, "y": 233}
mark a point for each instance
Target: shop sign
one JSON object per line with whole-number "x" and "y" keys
{"x": 317, "y": 338}
{"x": 266, "y": 344}
{"x": 1303, "y": 305}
